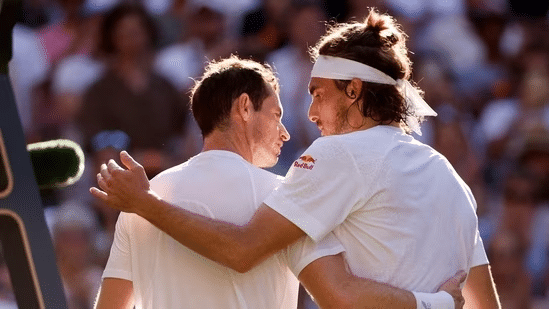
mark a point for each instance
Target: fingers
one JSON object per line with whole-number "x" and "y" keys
{"x": 456, "y": 280}
{"x": 128, "y": 161}
{"x": 461, "y": 276}
{"x": 112, "y": 166}
{"x": 99, "y": 194}
{"x": 104, "y": 173}
{"x": 102, "y": 183}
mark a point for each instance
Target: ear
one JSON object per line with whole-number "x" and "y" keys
{"x": 354, "y": 88}
{"x": 244, "y": 107}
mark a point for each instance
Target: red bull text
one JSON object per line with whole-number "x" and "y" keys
{"x": 305, "y": 160}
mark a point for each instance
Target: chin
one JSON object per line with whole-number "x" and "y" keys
{"x": 272, "y": 163}
{"x": 269, "y": 163}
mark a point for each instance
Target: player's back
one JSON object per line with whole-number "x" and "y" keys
{"x": 418, "y": 216}
{"x": 165, "y": 274}
{"x": 396, "y": 205}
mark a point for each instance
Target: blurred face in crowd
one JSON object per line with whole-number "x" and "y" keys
{"x": 71, "y": 7}
{"x": 268, "y": 132}
{"x": 277, "y": 9}
{"x": 72, "y": 245}
{"x": 208, "y": 25}
{"x": 130, "y": 36}
{"x": 307, "y": 26}
{"x": 535, "y": 89}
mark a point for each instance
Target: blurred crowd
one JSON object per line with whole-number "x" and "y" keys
{"x": 115, "y": 74}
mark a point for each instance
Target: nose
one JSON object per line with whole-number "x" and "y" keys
{"x": 284, "y": 135}
{"x": 313, "y": 112}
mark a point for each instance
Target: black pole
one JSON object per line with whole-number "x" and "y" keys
{"x": 24, "y": 237}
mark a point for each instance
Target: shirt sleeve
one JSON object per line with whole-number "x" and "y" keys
{"x": 306, "y": 251}
{"x": 320, "y": 190}
{"x": 119, "y": 262}
{"x": 479, "y": 254}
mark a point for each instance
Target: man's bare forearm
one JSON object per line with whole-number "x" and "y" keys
{"x": 479, "y": 290}
{"x": 115, "y": 293}
{"x": 237, "y": 247}
{"x": 372, "y": 294}
{"x": 332, "y": 286}
{"x": 223, "y": 242}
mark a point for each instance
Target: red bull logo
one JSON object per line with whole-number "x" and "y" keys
{"x": 307, "y": 158}
{"x": 308, "y": 162}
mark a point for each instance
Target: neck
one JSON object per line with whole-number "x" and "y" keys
{"x": 228, "y": 141}
{"x": 358, "y": 122}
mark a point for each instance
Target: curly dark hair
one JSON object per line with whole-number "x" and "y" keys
{"x": 224, "y": 81}
{"x": 379, "y": 42}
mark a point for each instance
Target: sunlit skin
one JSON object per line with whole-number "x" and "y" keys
{"x": 268, "y": 132}
{"x": 333, "y": 110}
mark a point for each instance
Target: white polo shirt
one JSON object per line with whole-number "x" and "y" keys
{"x": 401, "y": 211}
{"x": 165, "y": 274}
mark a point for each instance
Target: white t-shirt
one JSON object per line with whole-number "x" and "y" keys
{"x": 165, "y": 274}
{"x": 398, "y": 207}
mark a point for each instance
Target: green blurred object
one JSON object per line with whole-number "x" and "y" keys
{"x": 56, "y": 163}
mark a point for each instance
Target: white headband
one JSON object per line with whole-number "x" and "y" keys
{"x": 345, "y": 69}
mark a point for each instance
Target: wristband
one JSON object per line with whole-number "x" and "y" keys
{"x": 440, "y": 300}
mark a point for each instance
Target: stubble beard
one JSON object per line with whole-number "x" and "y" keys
{"x": 262, "y": 152}
{"x": 341, "y": 125}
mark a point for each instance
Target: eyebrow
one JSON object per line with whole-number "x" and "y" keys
{"x": 312, "y": 89}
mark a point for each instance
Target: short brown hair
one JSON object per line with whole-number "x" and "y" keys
{"x": 378, "y": 42}
{"x": 224, "y": 81}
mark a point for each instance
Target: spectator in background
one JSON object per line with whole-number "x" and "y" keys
{"x": 525, "y": 215}
{"x": 518, "y": 205}
{"x": 71, "y": 34}
{"x": 506, "y": 121}
{"x": 131, "y": 105}
{"x": 74, "y": 229}
{"x": 534, "y": 159}
{"x": 507, "y": 255}
{"x": 293, "y": 65}
{"x": 265, "y": 29}
{"x": 68, "y": 48}
{"x": 171, "y": 25}
{"x": 202, "y": 38}
{"x": 27, "y": 68}
{"x": 74, "y": 73}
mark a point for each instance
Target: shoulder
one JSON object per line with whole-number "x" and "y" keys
{"x": 168, "y": 175}
{"x": 362, "y": 148}
{"x": 325, "y": 153}
{"x": 327, "y": 143}
{"x": 330, "y": 147}
{"x": 266, "y": 176}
